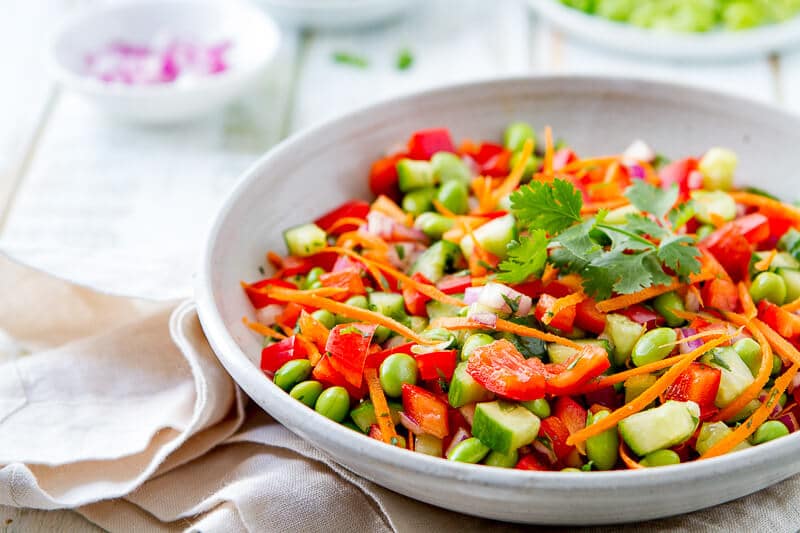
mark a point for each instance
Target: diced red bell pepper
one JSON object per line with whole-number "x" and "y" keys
{"x": 786, "y": 324}
{"x": 453, "y": 284}
{"x": 606, "y": 397}
{"x": 571, "y": 413}
{"x": 258, "y": 298}
{"x": 436, "y": 365}
{"x": 347, "y": 346}
{"x": 535, "y": 288}
{"x": 349, "y": 279}
{"x": 351, "y": 209}
{"x": 498, "y": 166}
{"x": 732, "y": 250}
{"x": 290, "y": 315}
{"x": 557, "y": 433}
{"x": 587, "y": 317}
{"x": 276, "y": 354}
{"x": 428, "y": 411}
{"x": 563, "y": 320}
{"x": 295, "y": 266}
{"x": 414, "y": 300}
{"x": 500, "y": 368}
{"x": 698, "y": 383}
{"x": 383, "y": 177}
{"x": 330, "y": 377}
{"x": 563, "y": 157}
{"x": 644, "y": 315}
{"x": 424, "y": 143}
{"x": 778, "y": 225}
{"x": 530, "y": 462}
{"x": 755, "y": 227}
{"x": 720, "y": 294}
{"x": 677, "y": 173}
{"x": 492, "y": 159}
{"x": 587, "y": 364}
{"x": 374, "y": 360}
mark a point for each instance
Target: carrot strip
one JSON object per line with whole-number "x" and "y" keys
{"x": 514, "y": 178}
{"x": 368, "y": 264}
{"x": 778, "y": 343}
{"x": 503, "y": 325}
{"x": 356, "y": 313}
{"x": 548, "y": 151}
{"x": 626, "y": 300}
{"x": 649, "y": 395}
{"x": 792, "y": 306}
{"x": 321, "y": 291}
{"x": 384, "y": 204}
{"x": 748, "y": 304}
{"x": 550, "y": 274}
{"x": 410, "y": 441}
{"x": 756, "y": 200}
{"x": 610, "y": 204}
{"x": 627, "y": 459}
{"x": 382, "y": 412}
{"x": 611, "y": 172}
{"x": 766, "y": 262}
{"x": 590, "y": 162}
{"x": 562, "y": 303}
{"x": 758, "y": 417}
{"x": 620, "y": 377}
{"x": 314, "y": 354}
{"x": 275, "y": 259}
{"x": 261, "y": 329}
{"x": 346, "y": 221}
{"x": 313, "y": 330}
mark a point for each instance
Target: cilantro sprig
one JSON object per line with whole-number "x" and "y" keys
{"x": 623, "y": 258}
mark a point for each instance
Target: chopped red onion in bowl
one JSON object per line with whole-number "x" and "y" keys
{"x": 460, "y": 436}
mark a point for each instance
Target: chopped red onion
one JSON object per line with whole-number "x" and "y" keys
{"x": 268, "y": 315}
{"x": 689, "y": 346}
{"x": 471, "y": 294}
{"x": 468, "y": 411}
{"x": 495, "y": 297}
{"x": 639, "y": 151}
{"x": 380, "y": 225}
{"x": 545, "y": 450}
{"x": 486, "y": 318}
{"x": 636, "y": 171}
{"x": 692, "y": 302}
{"x": 460, "y": 436}
{"x": 790, "y": 421}
{"x": 763, "y": 397}
{"x": 410, "y": 424}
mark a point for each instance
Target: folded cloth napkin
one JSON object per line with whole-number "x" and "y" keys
{"x": 118, "y": 409}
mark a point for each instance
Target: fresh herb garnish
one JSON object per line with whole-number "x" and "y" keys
{"x": 525, "y": 258}
{"x": 587, "y": 467}
{"x": 350, "y": 330}
{"x": 405, "y": 59}
{"x": 346, "y": 58}
{"x": 512, "y": 303}
{"x": 400, "y": 250}
{"x": 261, "y": 270}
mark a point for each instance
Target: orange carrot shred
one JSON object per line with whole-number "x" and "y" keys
{"x": 274, "y": 259}
{"x": 778, "y": 343}
{"x": 313, "y": 329}
{"x": 766, "y": 262}
{"x": 776, "y": 206}
{"x": 630, "y": 462}
{"x": 382, "y": 412}
{"x": 368, "y": 264}
{"x": 582, "y": 164}
{"x": 261, "y": 329}
{"x": 610, "y": 204}
{"x": 346, "y": 221}
{"x": 626, "y": 300}
{"x": 563, "y": 303}
{"x": 456, "y": 323}
{"x": 620, "y": 377}
{"x": 748, "y": 305}
{"x": 512, "y": 181}
{"x": 440, "y": 207}
{"x": 384, "y": 204}
{"x": 550, "y": 274}
{"x": 792, "y": 306}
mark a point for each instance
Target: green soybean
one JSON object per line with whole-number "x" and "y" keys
{"x": 502, "y": 460}
{"x": 307, "y": 392}
{"x": 654, "y": 346}
{"x": 418, "y": 201}
{"x": 291, "y": 373}
{"x": 769, "y": 430}
{"x": 454, "y": 195}
{"x": 750, "y": 352}
{"x": 333, "y": 403}
{"x": 660, "y": 458}
{"x": 313, "y": 276}
{"x": 539, "y": 407}
{"x": 433, "y": 225}
{"x": 516, "y": 134}
{"x": 382, "y": 333}
{"x": 474, "y": 341}
{"x": 777, "y": 365}
{"x": 666, "y": 305}
{"x": 768, "y": 286}
{"x": 395, "y": 370}
{"x": 356, "y": 301}
{"x": 325, "y": 317}
{"x": 470, "y": 450}
{"x": 449, "y": 167}
{"x": 602, "y": 449}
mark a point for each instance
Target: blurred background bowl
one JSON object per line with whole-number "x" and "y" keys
{"x": 335, "y": 14}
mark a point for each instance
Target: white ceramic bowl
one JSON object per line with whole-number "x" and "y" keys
{"x": 335, "y": 14}
{"x": 253, "y": 34}
{"x": 320, "y": 168}
{"x": 669, "y": 45}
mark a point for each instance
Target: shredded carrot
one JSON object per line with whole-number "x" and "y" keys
{"x": 711, "y": 265}
{"x": 321, "y": 291}
{"x": 455, "y": 323}
{"x": 274, "y": 259}
{"x": 740, "y": 434}
{"x": 261, "y": 329}
{"x": 550, "y": 274}
{"x": 382, "y": 412}
{"x": 384, "y": 204}
{"x": 756, "y": 200}
{"x": 410, "y": 441}
{"x": 356, "y": 313}
{"x": 368, "y": 264}
{"x": 582, "y": 164}
{"x": 440, "y": 207}
{"x": 346, "y": 221}
{"x": 621, "y": 377}
{"x": 626, "y": 300}
{"x": 367, "y": 240}
{"x": 695, "y": 291}
{"x": 548, "y": 151}
{"x": 512, "y": 181}
{"x": 764, "y": 369}
{"x": 748, "y": 305}
{"x": 649, "y": 395}
{"x": 778, "y": 343}
{"x": 563, "y": 303}
{"x": 611, "y": 172}
{"x": 792, "y": 306}
{"x": 314, "y": 354}
{"x": 313, "y": 330}
{"x": 766, "y": 262}
{"x": 701, "y": 276}
{"x": 627, "y": 459}
{"x": 610, "y": 204}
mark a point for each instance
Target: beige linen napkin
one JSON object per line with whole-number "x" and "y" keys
{"x": 119, "y": 409}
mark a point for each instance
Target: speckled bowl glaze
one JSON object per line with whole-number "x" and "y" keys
{"x": 322, "y": 167}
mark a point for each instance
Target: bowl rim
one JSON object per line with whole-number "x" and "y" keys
{"x": 92, "y": 86}
{"x": 238, "y": 364}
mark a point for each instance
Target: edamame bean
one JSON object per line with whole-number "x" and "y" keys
{"x": 768, "y": 286}
{"x": 502, "y": 460}
{"x": 291, "y": 373}
{"x": 474, "y": 341}
{"x": 750, "y": 352}
{"x": 395, "y": 370}
{"x": 516, "y": 134}
{"x": 769, "y": 430}
{"x": 602, "y": 449}
{"x": 307, "y": 392}
{"x": 433, "y": 225}
{"x": 418, "y": 201}
{"x": 313, "y": 275}
{"x": 447, "y": 167}
{"x": 381, "y": 334}
{"x": 654, "y": 346}
{"x": 356, "y": 301}
{"x": 666, "y": 305}
{"x": 777, "y": 365}
{"x": 470, "y": 450}
{"x": 539, "y": 407}
{"x": 333, "y": 403}
{"x": 325, "y": 317}
{"x": 660, "y": 458}
{"x": 453, "y": 195}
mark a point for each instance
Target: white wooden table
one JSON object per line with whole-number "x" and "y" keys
{"x": 126, "y": 208}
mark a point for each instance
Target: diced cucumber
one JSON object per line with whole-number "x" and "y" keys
{"x": 636, "y": 385}
{"x": 623, "y": 333}
{"x": 493, "y": 237}
{"x": 428, "y": 444}
{"x": 781, "y": 260}
{"x": 744, "y": 412}
{"x": 412, "y": 174}
{"x": 558, "y": 353}
{"x": 364, "y": 414}
{"x": 792, "y": 280}
{"x": 660, "y": 427}
{"x": 790, "y": 243}
{"x": 450, "y": 167}
{"x": 417, "y": 323}
{"x": 305, "y": 240}
{"x": 389, "y": 304}
{"x": 712, "y": 204}
{"x": 438, "y": 309}
{"x": 736, "y": 375}
{"x": 419, "y": 201}
{"x": 712, "y": 433}
{"x": 504, "y": 426}
{"x": 464, "y": 389}
{"x": 620, "y": 215}
{"x": 433, "y": 224}
{"x": 436, "y": 260}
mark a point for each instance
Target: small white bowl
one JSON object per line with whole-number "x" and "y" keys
{"x": 254, "y": 37}
{"x": 335, "y": 14}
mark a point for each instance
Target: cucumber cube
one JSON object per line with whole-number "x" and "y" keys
{"x": 412, "y": 174}
{"x": 660, "y": 427}
{"x": 504, "y": 426}
{"x": 305, "y": 240}
{"x": 464, "y": 389}
{"x": 493, "y": 237}
{"x": 388, "y": 304}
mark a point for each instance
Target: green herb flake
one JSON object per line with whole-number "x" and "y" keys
{"x": 346, "y": 58}
{"x": 261, "y": 270}
{"x": 351, "y": 330}
{"x": 400, "y": 250}
{"x": 405, "y": 59}
{"x": 587, "y": 467}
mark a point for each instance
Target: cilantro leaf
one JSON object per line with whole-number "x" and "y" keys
{"x": 645, "y": 226}
{"x": 575, "y": 247}
{"x": 652, "y": 199}
{"x": 679, "y": 253}
{"x": 682, "y": 214}
{"x": 551, "y": 207}
{"x": 526, "y": 258}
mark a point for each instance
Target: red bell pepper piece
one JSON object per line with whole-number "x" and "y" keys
{"x": 720, "y": 294}
{"x": 424, "y": 143}
{"x": 428, "y": 411}
{"x": 535, "y": 288}
{"x": 557, "y": 433}
{"x": 349, "y": 279}
{"x": 587, "y": 364}
{"x": 374, "y": 360}
{"x": 563, "y": 157}
{"x": 530, "y": 462}
{"x": 497, "y": 166}
{"x": 678, "y": 173}
{"x": 348, "y": 345}
{"x": 259, "y": 299}
{"x": 276, "y": 354}
{"x": 644, "y": 315}
{"x": 731, "y": 249}
{"x": 351, "y": 209}
{"x": 436, "y": 365}
{"x": 414, "y": 300}
{"x": 290, "y": 315}
{"x": 563, "y": 320}
{"x": 755, "y": 227}
{"x": 453, "y": 284}
{"x": 571, "y": 413}
{"x": 330, "y": 377}
{"x": 383, "y": 177}
{"x": 698, "y": 383}
{"x": 500, "y": 368}
{"x": 587, "y": 317}
{"x": 786, "y": 324}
